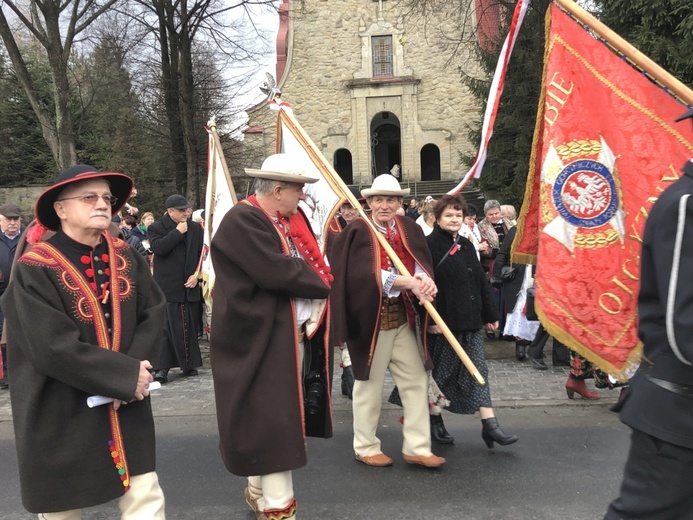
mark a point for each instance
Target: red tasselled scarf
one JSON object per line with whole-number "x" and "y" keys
{"x": 299, "y": 232}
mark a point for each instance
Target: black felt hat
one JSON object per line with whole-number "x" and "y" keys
{"x": 121, "y": 187}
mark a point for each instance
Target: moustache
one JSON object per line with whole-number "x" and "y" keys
{"x": 101, "y": 214}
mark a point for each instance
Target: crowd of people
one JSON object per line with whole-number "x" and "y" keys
{"x": 117, "y": 314}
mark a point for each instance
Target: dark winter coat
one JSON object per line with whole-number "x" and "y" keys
{"x": 464, "y": 299}
{"x": 357, "y": 290}
{"x": 176, "y": 256}
{"x": 254, "y": 347}
{"x": 667, "y": 354}
{"x": 59, "y": 354}
{"x": 511, "y": 289}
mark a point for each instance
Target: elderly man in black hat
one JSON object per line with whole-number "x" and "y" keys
{"x": 269, "y": 304}
{"x": 10, "y": 230}
{"x": 658, "y": 404}
{"x": 176, "y": 242}
{"x": 84, "y": 317}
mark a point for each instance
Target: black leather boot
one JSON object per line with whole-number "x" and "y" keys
{"x": 491, "y": 432}
{"x": 348, "y": 381}
{"x": 438, "y": 432}
{"x": 521, "y": 349}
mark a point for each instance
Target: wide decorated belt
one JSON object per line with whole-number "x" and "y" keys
{"x": 392, "y": 313}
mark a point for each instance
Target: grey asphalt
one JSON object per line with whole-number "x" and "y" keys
{"x": 566, "y": 465}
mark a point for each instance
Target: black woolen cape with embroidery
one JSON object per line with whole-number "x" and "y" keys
{"x": 56, "y": 363}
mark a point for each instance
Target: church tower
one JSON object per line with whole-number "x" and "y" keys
{"x": 376, "y": 88}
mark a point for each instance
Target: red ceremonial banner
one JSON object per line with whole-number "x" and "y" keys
{"x": 605, "y": 147}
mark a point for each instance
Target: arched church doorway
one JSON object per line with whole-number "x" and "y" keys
{"x": 343, "y": 165}
{"x": 386, "y": 144}
{"x": 430, "y": 163}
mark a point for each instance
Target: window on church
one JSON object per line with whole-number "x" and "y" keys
{"x": 382, "y": 56}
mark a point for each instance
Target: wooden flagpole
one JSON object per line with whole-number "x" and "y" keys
{"x": 339, "y": 183}
{"x": 212, "y": 125}
{"x": 628, "y": 50}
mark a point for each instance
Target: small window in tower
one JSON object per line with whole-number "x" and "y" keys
{"x": 382, "y": 56}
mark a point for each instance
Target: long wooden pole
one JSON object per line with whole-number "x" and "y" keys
{"x": 316, "y": 155}
{"x": 212, "y": 125}
{"x": 628, "y": 50}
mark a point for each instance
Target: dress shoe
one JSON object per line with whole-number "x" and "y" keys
{"x": 379, "y": 460}
{"x": 539, "y": 364}
{"x": 4, "y": 385}
{"x": 161, "y": 376}
{"x": 430, "y": 461}
{"x": 573, "y": 386}
{"x": 491, "y": 432}
{"x": 438, "y": 432}
{"x": 191, "y": 372}
{"x": 490, "y": 334}
{"x": 561, "y": 364}
{"x": 348, "y": 382}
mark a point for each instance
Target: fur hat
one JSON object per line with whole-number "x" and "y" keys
{"x": 385, "y": 184}
{"x": 282, "y": 167}
{"x": 121, "y": 187}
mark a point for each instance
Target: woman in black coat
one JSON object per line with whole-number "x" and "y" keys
{"x": 511, "y": 288}
{"x": 465, "y": 303}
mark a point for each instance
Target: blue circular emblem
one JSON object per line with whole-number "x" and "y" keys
{"x": 585, "y": 194}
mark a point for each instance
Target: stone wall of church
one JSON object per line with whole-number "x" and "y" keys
{"x": 329, "y": 85}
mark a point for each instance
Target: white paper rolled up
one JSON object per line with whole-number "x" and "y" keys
{"x": 98, "y": 400}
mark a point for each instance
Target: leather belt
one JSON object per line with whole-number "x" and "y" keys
{"x": 393, "y": 314}
{"x": 682, "y": 390}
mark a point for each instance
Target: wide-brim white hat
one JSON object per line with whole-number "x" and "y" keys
{"x": 282, "y": 167}
{"x": 385, "y": 184}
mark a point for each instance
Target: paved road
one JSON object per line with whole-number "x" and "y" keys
{"x": 567, "y": 464}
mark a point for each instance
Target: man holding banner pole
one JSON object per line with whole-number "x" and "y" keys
{"x": 374, "y": 312}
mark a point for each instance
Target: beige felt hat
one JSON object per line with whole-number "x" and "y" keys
{"x": 385, "y": 184}
{"x": 282, "y": 167}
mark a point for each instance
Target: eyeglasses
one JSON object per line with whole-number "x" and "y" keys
{"x": 91, "y": 199}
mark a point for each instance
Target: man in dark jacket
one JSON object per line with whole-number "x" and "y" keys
{"x": 10, "y": 230}
{"x": 269, "y": 304}
{"x": 658, "y": 406}
{"x": 83, "y": 318}
{"x": 176, "y": 242}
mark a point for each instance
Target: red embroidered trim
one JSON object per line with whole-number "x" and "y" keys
{"x": 45, "y": 254}
{"x": 282, "y": 514}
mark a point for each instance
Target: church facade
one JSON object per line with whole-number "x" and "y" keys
{"x": 377, "y": 88}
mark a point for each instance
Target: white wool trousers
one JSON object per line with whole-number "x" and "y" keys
{"x": 143, "y": 501}
{"x": 274, "y": 491}
{"x": 396, "y": 350}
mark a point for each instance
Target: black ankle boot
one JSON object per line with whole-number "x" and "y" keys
{"x": 348, "y": 381}
{"x": 438, "y": 432}
{"x": 491, "y": 432}
{"x": 521, "y": 350}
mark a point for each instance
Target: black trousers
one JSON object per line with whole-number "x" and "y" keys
{"x": 560, "y": 355}
{"x": 656, "y": 482}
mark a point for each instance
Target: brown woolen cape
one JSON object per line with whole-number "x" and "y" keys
{"x": 56, "y": 363}
{"x": 254, "y": 349}
{"x": 357, "y": 288}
